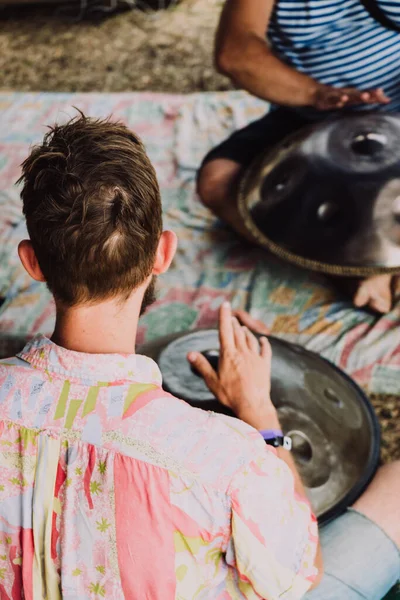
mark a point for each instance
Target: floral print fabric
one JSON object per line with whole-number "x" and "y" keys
{"x": 111, "y": 488}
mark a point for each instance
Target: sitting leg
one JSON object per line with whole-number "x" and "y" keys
{"x": 361, "y": 548}
{"x": 216, "y": 188}
{"x": 220, "y": 172}
{"x": 381, "y": 501}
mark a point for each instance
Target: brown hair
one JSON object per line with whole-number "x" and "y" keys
{"x": 93, "y": 210}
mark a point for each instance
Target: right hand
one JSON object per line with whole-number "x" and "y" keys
{"x": 330, "y": 98}
{"x": 243, "y": 381}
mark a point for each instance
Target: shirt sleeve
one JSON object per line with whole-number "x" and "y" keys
{"x": 274, "y": 534}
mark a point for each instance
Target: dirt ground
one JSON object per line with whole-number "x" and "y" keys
{"x": 164, "y": 50}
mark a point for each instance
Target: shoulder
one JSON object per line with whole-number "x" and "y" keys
{"x": 215, "y": 446}
{"x": 211, "y": 447}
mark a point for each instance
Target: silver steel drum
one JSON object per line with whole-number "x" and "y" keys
{"x": 333, "y": 427}
{"x": 328, "y": 198}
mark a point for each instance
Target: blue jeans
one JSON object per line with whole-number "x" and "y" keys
{"x": 360, "y": 561}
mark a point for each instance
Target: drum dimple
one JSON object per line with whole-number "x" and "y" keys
{"x": 364, "y": 143}
{"x": 332, "y": 396}
{"x": 368, "y": 144}
{"x": 311, "y": 450}
{"x": 301, "y": 446}
{"x": 327, "y": 211}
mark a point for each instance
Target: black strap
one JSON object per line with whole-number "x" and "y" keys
{"x": 377, "y": 13}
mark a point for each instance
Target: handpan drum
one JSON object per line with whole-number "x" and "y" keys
{"x": 333, "y": 427}
{"x": 328, "y": 197}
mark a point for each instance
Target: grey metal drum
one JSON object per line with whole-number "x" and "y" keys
{"x": 333, "y": 427}
{"x": 328, "y": 198}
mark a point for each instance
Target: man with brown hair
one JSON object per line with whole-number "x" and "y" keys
{"x": 110, "y": 487}
{"x": 91, "y": 241}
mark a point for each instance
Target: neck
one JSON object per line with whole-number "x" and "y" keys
{"x": 109, "y": 327}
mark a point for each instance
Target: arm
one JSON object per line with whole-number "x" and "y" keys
{"x": 242, "y": 53}
{"x": 274, "y": 535}
{"x": 268, "y": 419}
{"x": 243, "y": 384}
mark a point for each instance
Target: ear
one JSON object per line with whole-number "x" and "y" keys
{"x": 165, "y": 252}
{"x": 28, "y": 258}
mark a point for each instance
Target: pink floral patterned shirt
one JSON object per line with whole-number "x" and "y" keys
{"x": 111, "y": 488}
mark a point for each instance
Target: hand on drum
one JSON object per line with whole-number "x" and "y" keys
{"x": 243, "y": 381}
{"x": 330, "y": 98}
{"x": 250, "y": 322}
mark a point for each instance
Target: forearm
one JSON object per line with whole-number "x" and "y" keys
{"x": 270, "y": 420}
{"x": 299, "y": 488}
{"x": 251, "y": 65}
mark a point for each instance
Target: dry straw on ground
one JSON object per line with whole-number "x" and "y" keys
{"x": 168, "y": 50}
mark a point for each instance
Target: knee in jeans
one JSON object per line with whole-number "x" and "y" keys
{"x": 390, "y": 474}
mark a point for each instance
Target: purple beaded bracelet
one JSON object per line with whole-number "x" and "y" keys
{"x": 269, "y": 434}
{"x": 275, "y": 438}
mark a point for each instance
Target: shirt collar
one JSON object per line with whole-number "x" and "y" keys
{"x": 43, "y": 354}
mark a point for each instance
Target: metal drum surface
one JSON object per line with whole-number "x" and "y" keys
{"x": 328, "y": 197}
{"x": 333, "y": 427}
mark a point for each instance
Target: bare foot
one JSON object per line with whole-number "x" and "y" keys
{"x": 375, "y": 292}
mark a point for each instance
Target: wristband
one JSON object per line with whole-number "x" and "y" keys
{"x": 269, "y": 434}
{"x": 275, "y": 438}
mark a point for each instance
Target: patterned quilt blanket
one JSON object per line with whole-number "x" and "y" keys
{"x": 212, "y": 263}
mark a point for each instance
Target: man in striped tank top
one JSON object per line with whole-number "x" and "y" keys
{"x": 318, "y": 56}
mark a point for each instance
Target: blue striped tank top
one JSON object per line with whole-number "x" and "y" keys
{"x": 338, "y": 43}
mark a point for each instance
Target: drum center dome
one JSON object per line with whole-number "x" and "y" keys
{"x": 368, "y": 144}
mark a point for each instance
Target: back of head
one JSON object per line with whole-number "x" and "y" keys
{"x": 93, "y": 210}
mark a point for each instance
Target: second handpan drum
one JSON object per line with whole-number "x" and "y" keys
{"x": 332, "y": 425}
{"x": 328, "y": 198}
